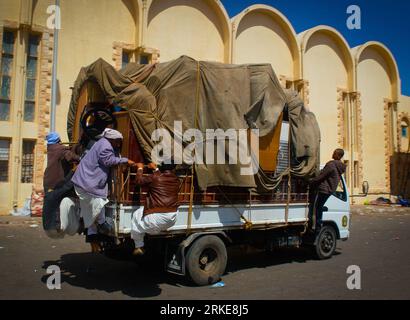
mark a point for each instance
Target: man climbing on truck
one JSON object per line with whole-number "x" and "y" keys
{"x": 325, "y": 184}
{"x": 161, "y": 212}
{"x": 91, "y": 184}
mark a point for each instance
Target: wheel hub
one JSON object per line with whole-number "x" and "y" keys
{"x": 207, "y": 259}
{"x": 203, "y": 260}
{"x": 327, "y": 242}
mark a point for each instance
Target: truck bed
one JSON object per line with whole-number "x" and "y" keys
{"x": 218, "y": 217}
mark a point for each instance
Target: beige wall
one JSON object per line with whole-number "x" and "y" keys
{"x": 404, "y": 104}
{"x": 88, "y": 32}
{"x": 189, "y": 27}
{"x": 261, "y": 39}
{"x": 9, "y": 10}
{"x": 326, "y": 71}
{"x": 89, "y": 29}
{"x": 93, "y": 29}
{"x": 374, "y": 84}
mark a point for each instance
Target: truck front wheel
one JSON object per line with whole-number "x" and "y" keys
{"x": 325, "y": 244}
{"x": 206, "y": 260}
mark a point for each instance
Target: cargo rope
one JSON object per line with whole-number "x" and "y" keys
{"x": 248, "y": 224}
{"x": 289, "y": 182}
{"x": 191, "y": 195}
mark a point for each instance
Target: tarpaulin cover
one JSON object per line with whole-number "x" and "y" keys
{"x": 206, "y": 95}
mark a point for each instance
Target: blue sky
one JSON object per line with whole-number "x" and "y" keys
{"x": 384, "y": 21}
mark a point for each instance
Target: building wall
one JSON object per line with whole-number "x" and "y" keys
{"x": 326, "y": 71}
{"x": 374, "y": 85}
{"x": 10, "y": 10}
{"x": 88, "y": 33}
{"x": 195, "y": 21}
{"x": 317, "y": 62}
{"x": 261, "y": 39}
{"x": 19, "y": 21}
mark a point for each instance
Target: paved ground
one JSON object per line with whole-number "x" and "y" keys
{"x": 379, "y": 245}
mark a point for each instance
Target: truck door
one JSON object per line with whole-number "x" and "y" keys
{"x": 337, "y": 209}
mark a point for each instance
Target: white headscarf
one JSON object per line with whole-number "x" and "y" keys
{"x": 112, "y": 134}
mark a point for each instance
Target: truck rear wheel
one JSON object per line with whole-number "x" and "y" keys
{"x": 206, "y": 260}
{"x": 325, "y": 243}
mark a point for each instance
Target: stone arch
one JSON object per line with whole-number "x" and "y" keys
{"x": 204, "y": 25}
{"x": 276, "y": 28}
{"x": 343, "y": 47}
{"x": 392, "y": 69}
{"x": 134, "y": 7}
{"x": 328, "y": 68}
{"x": 379, "y": 85}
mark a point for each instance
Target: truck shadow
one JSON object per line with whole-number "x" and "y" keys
{"x": 142, "y": 280}
{"x": 97, "y": 272}
{"x": 248, "y": 258}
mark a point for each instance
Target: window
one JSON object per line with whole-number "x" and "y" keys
{"x": 404, "y": 132}
{"x": 31, "y": 78}
{"x": 340, "y": 192}
{"x": 404, "y": 129}
{"x": 144, "y": 59}
{"x": 7, "y": 57}
{"x": 404, "y": 140}
{"x": 4, "y": 159}
{"x": 125, "y": 58}
{"x": 347, "y": 176}
{"x": 27, "y": 163}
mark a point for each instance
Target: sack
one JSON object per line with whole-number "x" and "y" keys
{"x": 68, "y": 215}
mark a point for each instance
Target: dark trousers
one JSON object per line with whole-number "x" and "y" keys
{"x": 316, "y": 210}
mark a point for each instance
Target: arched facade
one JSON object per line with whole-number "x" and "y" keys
{"x": 203, "y": 25}
{"x": 328, "y": 67}
{"x": 261, "y": 34}
{"x": 355, "y": 93}
{"x": 378, "y": 84}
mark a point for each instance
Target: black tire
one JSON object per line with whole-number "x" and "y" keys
{"x": 206, "y": 260}
{"x": 325, "y": 244}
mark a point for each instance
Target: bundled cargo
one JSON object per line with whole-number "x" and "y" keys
{"x": 244, "y": 148}
{"x": 202, "y": 96}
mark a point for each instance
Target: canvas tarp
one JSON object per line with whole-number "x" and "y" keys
{"x": 203, "y": 95}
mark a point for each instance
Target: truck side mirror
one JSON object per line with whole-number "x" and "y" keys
{"x": 365, "y": 187}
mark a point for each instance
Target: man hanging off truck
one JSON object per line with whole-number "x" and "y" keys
{"x": 91, "y": 184}
{"x": 162, "y": 204}
{"x": 324, "y": 185}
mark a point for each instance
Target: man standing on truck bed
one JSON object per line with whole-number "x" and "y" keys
{"x": 325, "y": 184}
{"x": 91, "y": 183}
{"x": 161, "y": 210}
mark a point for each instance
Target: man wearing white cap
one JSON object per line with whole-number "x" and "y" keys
{"x": 90, "y": 183}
